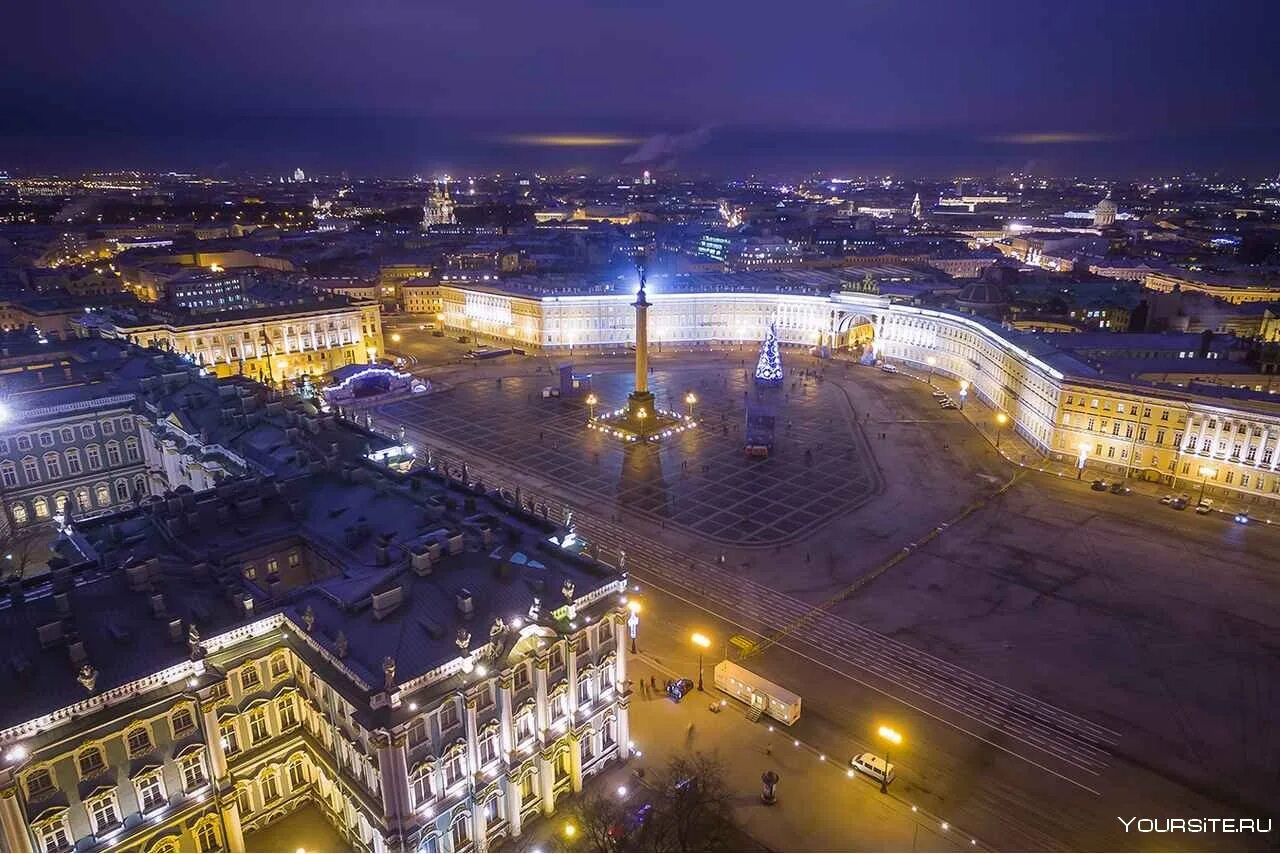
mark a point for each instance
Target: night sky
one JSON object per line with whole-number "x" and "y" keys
{"x": 927, "y": 87}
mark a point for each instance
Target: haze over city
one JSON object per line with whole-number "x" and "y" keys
{"x": 932, "y": 88}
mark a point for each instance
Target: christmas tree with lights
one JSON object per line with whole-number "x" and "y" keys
{"x": 769, "y": 365}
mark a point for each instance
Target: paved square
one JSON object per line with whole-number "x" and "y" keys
{"x": 701, "y": 479}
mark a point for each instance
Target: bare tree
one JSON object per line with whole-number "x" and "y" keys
{"x": 599, "y": 823}
{"x": 19, "y": 549}
{"x": 693, "y": 810}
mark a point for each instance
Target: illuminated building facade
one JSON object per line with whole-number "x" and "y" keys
{"x": 432, "y": 685}
{"x": 269, "y": 344}
{"x": 1038, "y": 386}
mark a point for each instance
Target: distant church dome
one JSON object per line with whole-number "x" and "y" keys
{"x": 1104, "y": 215}
{"x": 982, "y": 297}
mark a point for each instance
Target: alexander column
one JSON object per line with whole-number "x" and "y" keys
{"x": 640, "y": 409}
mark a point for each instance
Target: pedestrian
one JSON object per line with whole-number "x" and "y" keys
{"x": 653, "y": 682}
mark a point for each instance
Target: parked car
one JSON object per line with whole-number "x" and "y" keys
{"x": 1242, "y": 518}
{"x": 888, "y": 368}
{"x": 1118, "y": 488}
{"x": 677, "y": 688}
{"x": 1180, "y": 502}
{"x": 1168, "y": 499}
{"x": 875, "y": 767}
{"x": 1099, "y": 486}
{"x": 1205, "y": 505}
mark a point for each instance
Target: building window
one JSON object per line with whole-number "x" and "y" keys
{"x": 524, "y": 725}
{"x": 448, "y": 715}
{"x": 30, "y": 469}
{"x": 183, "y": 722}
{"x": 230, "y": 738}
{"x": 528, "y": 789}
{"x": 73, "y": 460}
{"x": 489, "y": 747}
{"x": 83, "y": 502}
{"x": 94, "y": 456}
{"x": 9, "y": 473}
{"x": 122, "y": 490}
{"x": 24, "y": 443}
{"x": 138, "y": 741}
{"x": 460, "y": 832}
{"x": 150, "y": 791}
{"x": 249, "y": 679}
{"x": 279, "y": 666}
{"x": 108, "y": 428}
{"x": 90, "y": 762}
{"x": 297, "y": 774}
{"x": 207, "y": 836}
{"x": 485, "y": 699}
{"x": 258, "y": 726}
{"x": 39, "y": 783}
{"x": 55, "y": 835}
{"x": 294, "y": 559}
{"x": 609, "y": 736}
{"x": 41, "y": 505}
{"x": 113, "y": 453}
{"x": 46, "y": 439}
{"x": 288, "y": 716}
{"x": 454, "y": 768}
{"x": 104, "y": 812}
{"x": 420, "y": 784}
{"x": 522, "y": 677}
{"x": 557, "y": 658}
{"x": 53, "y": 464}
{"x": 131, "y": 450}
{"x": 103, "y": 494}
{"x": 193, "y": 773}
{"x": 584, "y": 690}
{"x": 270, "y": 787}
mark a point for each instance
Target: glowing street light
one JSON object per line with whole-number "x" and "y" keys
{"x": 703, "y": 643}
{"x": 1081, "y": 458}
{"x": 1001, "y": 420}
{"x": 395, "y": 338}
{"x": 1206, "y": 472}
{"x": 5, "y": 412}
{"x": 891, "y": 736}
{"x": 633, "y": 622}
{"x": 690, "y": 399}
{"x": 933, "y": 362}
{"x": 592, "y": 400}
{"x": 569, "y": 830}
{"x": 964, "y": 392}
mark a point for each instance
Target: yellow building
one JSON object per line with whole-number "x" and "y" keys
{"x": 267, "y": 344}
{"x": 1235, "y": 291}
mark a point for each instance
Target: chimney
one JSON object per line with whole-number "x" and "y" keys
{"x": 466, "y": 606}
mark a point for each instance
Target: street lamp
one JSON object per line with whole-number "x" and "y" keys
{"x": 703, "y": 643}
{"x": 395, "y": 337}
{"x": 633, "y": 622}
{"x": 964, "y": 392}
{"x": 1001, "y": 420}
{"x": 891, "y": 736}
{"x": 932, "y": 364}
{"x": 592, "y": 400}
{"x": 690, "y": 399}
{"x": 1083, "y": 448}
{"x": 1206, "y": 472}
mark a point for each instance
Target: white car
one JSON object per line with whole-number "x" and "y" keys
{"x": 875, "y": 767}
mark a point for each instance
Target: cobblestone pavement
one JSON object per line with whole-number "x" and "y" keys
{"x": 699, "y": 480}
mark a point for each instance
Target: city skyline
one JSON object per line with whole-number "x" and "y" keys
{"x": 925, "y": 88}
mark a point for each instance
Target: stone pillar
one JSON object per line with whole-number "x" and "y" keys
{"x": 542, "y": 714}
{"x": 231, "y": 824}
{"x": 469, "y": 728}
{"x": 479, "y": 827}
{"x": 641, "y": 306}
{"x": 213, "y": 742}
{"x": 393, "y": 773}
{"x": 13, "y": 824}
{"x": 506, "y": 729}
{"x": 575, "y": 758}
{"x": 621, "y": 642}
{"x": 547, "y": 780}
{"x": 624, "y": 725}
{"x": 571, "y": 675}
{"x": 512, "y": 783}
